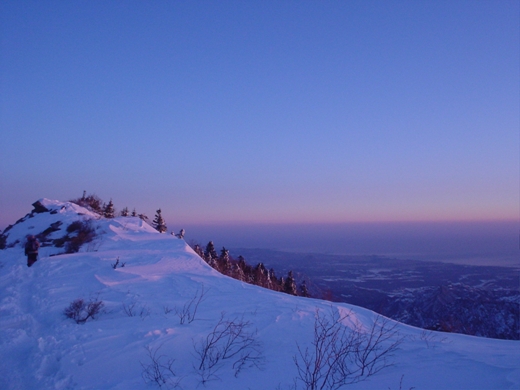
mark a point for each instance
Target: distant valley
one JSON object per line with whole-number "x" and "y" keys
{"x": 477, "y": 300}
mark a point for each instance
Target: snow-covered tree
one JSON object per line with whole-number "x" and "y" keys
{"x": 260, "y": 275}
{"x": 304, "y": 292}
{"x": 198, "y": 250}
{"x": 237, "y": 272}
{"x": 108, "y": 210}
{"x": 210, "y": 253}
{"x": 124, "y": 212}
{"x": 158, "y": 223}
{"x": 224, "y": 261}
{"x": 289, "y": 285}
{"x": 134, "y": 213}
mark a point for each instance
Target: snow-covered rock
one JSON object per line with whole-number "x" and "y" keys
{"x": 40, "y": 348}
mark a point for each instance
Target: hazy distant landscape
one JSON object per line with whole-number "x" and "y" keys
{"x": 450, "y": 276}
{"x": 469, "y": 243}
{"x": 478, "y": 300}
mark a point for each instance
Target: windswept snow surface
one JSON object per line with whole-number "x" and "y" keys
{"x": 42, "y": 349}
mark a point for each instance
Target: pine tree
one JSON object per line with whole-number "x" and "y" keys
{"x": 198, "y": 250}
{"x": 134, "y": 213}
{"x": 260, "y": 275}
{"x": 108, "y": 210}
{"x": 304, "y": 292}
{"x": 124, "y": 212}
{"x": 237, "y": 272}
{"x": 210, "y": 252}
{"x": 241, "y": 261}
{"x": 275, "y": 283}
{"x": 289, "y": 286}
{"x": 158, "y": 223}
{"x": 225, "y": 261}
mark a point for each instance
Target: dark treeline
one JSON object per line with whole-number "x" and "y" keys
{"x": 257, "y": 275}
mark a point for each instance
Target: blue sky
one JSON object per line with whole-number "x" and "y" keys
{"x": 263, "y": 111}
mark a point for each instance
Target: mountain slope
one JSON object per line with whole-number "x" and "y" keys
{"x": 143, "y": 301}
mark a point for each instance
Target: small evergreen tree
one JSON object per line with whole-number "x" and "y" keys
{"x": 260, "y": 275}
{"x": 198, "y": 250}
{"x": 210, "y": 252}
{"x": 304, "y": 292}
{"x": 241, "y": 261}
{"x": 243, "y": 270}
{"x": 108, "y": 210}
{"x": 158, "y": 223}
{"x": 275, "y": 283}
{"x": 225, "y": 261}
{"x": 289, "y": 286}
{"x": 237, "y": 272}
{"x": 134, "y": 213}
{"x": 124, "y": 212}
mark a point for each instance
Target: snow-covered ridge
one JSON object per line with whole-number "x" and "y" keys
{"x": 144, "y": 302}
{"x": 49, "y": 220}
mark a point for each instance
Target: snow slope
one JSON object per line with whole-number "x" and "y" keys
{"x": 42, "y": 349}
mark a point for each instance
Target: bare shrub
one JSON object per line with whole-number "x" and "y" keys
{"x": 431, "y": 339}
{"x": 229, "y": 339}
{"x": 114, "y": 266}
{"x": 401, "y": 384}
{"x": 80, "y": 311}
{"x": 74, "y": 226}
{"x": 144, "y": 311}
{"x": 84, "y": 233}
{"x": 377, "y": 346}
{"x": 340, "y": 355}
{"x": 133, "y": 310}
{"x": 91, "y": 202}
{"x": 158, "y": 370}
{"x": 188, "y": 312}
{"x": 130, "y": 309}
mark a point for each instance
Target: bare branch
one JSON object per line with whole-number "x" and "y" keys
{"x": 130, "y": 310}
{"x": 340, "y": 355}
{"x": 159, "y": 370}
{"x": 189, "y": 310}
{"x": 229, "y": 339}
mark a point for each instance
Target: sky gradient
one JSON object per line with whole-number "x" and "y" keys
{"x": 263, "y": 111}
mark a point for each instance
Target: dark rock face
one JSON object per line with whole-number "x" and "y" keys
{"x": 42, "y": 237}
{"x": 39, "y": 208}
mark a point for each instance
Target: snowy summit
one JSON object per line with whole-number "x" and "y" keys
{"x": 114, "y": 304}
